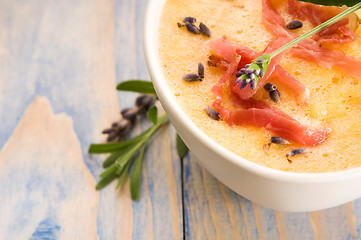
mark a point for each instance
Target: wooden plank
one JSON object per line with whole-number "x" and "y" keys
{"x": 73, "y": 54}
{"x": 357, "y": 216}
{"x": 158, "y": 214}
{"x": 38, "y": 168}
{"x": 335, "y": 223}
{"x": 212, "y": 211}
{"x": 295, "y": 225}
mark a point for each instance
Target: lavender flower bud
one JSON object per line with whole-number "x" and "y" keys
{"x": 212, "y": 113}
{"x": 298, "y": 151}
{"x": 191, "y": 28}
{"x": 112, "y": 136}
{"x": 275, "y": 95}
{"x": 204, "y": 30}
{"x": 189, "y": 20}
{"x": 130, "y": 114}
{"x": 261, "y": 72}
{"x": 279, "y": 140}
{"x": 107, "y": 130}
{"x": 252, "y": 84}
{"x": 200, "y": 70}
{"x": 294, "y": 24}
{"x": 253, "y": 71}
{"x": 243, "y": 84}
{"x": 269, "y": 87}
{"x": 191, "y": 77}
{"x": 249, "y": 71}
{"x": 122, "y": 127}
{"x": 145, "y": 102}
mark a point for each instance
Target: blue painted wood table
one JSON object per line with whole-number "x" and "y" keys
{"x": 59, "y": 64}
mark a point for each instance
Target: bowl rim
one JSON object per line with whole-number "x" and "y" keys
{"x": 150, "y": 45}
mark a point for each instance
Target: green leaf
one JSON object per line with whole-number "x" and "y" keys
{"x": 117, "y": 156}
{"x": 152, "y": 114}
{"x": 108, "y": 178}
{"x": 123, "y": 159}
{"x": 127, "y": 157}
{"x": 182, "y": 149}
{"x": 119, "y": 166}
{"x": 123, "y": 175}
{"x": 110, "y": 174}
{"x": 105, "y": 181}
{"x": 112, "y": 169}
{"x": 111, "y": 159}
{"x": 349, "y": 3}
{"x": 118, "y": 163}
{"x": 111, "y": 147}
{"x": 136, "y": 176}
{"x": 139, "y": 86}
{"x": 115, "y": 146}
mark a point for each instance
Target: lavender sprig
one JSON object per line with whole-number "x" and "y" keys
{"x": 252, "y": 72}
{"x": 126, "y": 155}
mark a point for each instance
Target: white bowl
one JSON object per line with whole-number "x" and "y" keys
{"x": 285, "y": 191}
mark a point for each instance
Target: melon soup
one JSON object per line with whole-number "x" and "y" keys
{"x": 323, "y": 92}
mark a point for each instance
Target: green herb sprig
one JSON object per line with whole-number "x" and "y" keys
{"x": 252, "y": 72}
{"x": 127, "y": 157}
{"x": 348, "y": 3}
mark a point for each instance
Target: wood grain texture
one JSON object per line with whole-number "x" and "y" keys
{"x": 38, "y": 194}
{"x": 73, "y": 53}
{"x": 158, "y": 214}
{"x": 212, "y": 211}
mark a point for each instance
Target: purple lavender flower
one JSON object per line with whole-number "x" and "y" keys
{"x": 251, "y": 73}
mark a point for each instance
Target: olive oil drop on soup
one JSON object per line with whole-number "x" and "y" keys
{"x": 335, "y": 96}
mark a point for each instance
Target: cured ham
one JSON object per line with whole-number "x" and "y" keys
{"x": 272, "y": 46}
{"x": 328, "y": 58}
{"x": 316, "y": 14}
{"x": 247, "y": 111}
{"x": 309, "y": 49}
{"x": 269, "y": 118}
{"x": 273, "y": 20}
{"x": 294, "y": 87}
{"x": 231, "y": 54}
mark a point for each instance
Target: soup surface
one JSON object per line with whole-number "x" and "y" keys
{"x": 335, "y": 96}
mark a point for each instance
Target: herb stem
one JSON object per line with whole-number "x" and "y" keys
{"x": 121, "y": 162}
{"x": 317, "y": 29}
{"x": 160, "y": 122}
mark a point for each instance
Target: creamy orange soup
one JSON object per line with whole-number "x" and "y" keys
{"x": 335, "y": 96}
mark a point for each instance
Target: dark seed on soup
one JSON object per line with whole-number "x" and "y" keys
{"x": 269, "y": 87}
{"x": 200, "y": 70}
{"x": 279, "y": 140}
{"x": 275, "y": 96}
{"x": 191, "y": 77}
{"x": 212, "y": 113}
{"x": 189, "y": 20}
{"x": 295, "y": 24}
{"x": 297, "y": 151}
{"x": 204, "y": 29}
{"x": 191, "y": 28}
